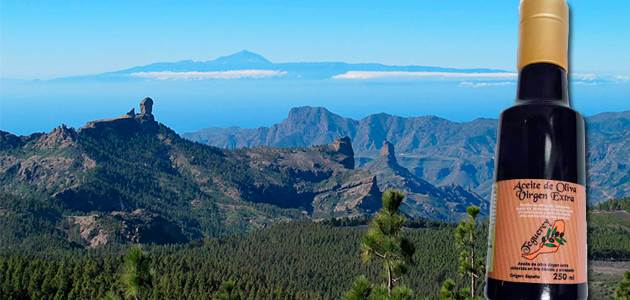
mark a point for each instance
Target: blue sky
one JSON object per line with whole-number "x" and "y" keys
{"x": 51, "y": 39}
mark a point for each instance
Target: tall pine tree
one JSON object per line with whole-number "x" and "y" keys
{"x": 623, "y": 290}
{"x": 449, "y": 291}
{"x": 228, "y": 291}
{"x": 361, "y": 289}
{"x": 137, "y": 273}
{"x": 384, "y": 242}
{"x": 466, "y": 238}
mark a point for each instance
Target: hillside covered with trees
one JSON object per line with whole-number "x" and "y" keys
{"x": 289, "y": 260}
{"x": 249, "y": 223}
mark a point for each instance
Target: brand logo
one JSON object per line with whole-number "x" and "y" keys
{"x": 543, "y": 244}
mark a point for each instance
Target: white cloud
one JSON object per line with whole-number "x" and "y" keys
{"x": 484, "y": 84}
{"x": 235, "y": 74}
{"x": 585, "y": 83}
{"x": 404, "y": 74}
{"x": 584, "y": 77}
{"x": 622, "y": 78}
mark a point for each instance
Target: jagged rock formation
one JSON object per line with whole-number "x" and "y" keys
{"x": 129, "y": 122}
{"x": 387, "y": 151}
{"x": 59, "y": 137}
{"x": 319, "y": 180}
{"x": 41, "y": 162}
{"x": 139, "y": 226}
{"x": 132, "y": 162}
{"x": 437, "y": 150}
{"x": 146, "y": 106}
{"x": 344, "y": 147}
{"x": 423, "y": 199}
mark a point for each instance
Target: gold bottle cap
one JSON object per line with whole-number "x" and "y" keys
{"x": 543, "y": 33}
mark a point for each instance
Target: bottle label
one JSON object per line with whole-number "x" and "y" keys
{"x": 538, "y": 232}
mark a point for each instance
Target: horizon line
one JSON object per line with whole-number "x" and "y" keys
{"x": 312, "y": 107}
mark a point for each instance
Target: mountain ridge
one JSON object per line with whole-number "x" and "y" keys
{"x": 134, "y": 171}
{"x": 438, "y": 150}
{"x": 133, "y": 162}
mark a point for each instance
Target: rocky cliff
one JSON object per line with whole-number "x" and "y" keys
{"x": 134, "y": 164}
{"x": 423, "y": 199}
{"x": 139, "y": 226}
{"x": 439, "y": 151}
{"x": 129, "y": 122}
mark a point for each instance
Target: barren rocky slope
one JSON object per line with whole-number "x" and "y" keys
{"x": 423, "y": 200}
{"x": 439, "y": 151}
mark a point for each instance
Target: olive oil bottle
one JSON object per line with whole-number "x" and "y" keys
{"x": 537, "y": 239}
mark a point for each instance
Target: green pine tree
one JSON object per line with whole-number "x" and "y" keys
{"x": 111, "y": 295}
{"x": 466, "y": 238}
{"x": 400, "y": 292}
{"x": 361, "y": 289}
{"x": 623, "y": 290}
{"x": 450, "y": 291}
{"x": 228, "y": 291}
{"x": 137, "y": 273}
{"x": 384, "y": 242}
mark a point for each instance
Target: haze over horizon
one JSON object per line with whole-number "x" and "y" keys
{"x": 247, "y": 90}
{"x": 46, "y": 40}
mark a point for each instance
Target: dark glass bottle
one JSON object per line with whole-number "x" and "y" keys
{"x": 541, "y": 119}
{"x": 537, "y": 240}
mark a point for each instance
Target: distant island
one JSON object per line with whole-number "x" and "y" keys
{"x": 245, "y": 64}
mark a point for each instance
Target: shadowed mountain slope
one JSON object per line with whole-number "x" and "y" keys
{"x": 134, "y": 163}
{"x": 439, "y": 151}
{"x": 423, "y": 199}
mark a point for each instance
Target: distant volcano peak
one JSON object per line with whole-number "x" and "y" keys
{"x": 242, "y": 57}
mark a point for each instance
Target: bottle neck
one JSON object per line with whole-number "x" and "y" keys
{"x": 542, "y": 83}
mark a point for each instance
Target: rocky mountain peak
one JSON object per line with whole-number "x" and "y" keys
{"x": 64, "y": 131}
{"x": 343, "y": 146}
{"x": 146, "y": 106}
{"x": 423, "y": 198}
{"x": 387, "y": 151}
{"x": 60, "y": 137}
{"x": 9, "y": 141}
{"x": 130, "y": 120}
{"x": 308, "y": 113}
